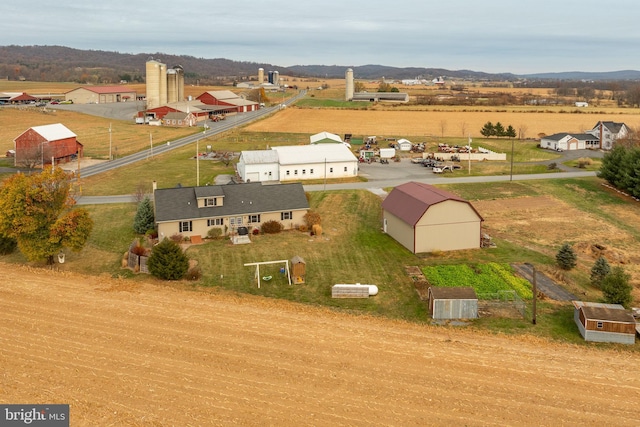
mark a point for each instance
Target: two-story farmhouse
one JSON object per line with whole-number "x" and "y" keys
{"x": 193, "y": 211}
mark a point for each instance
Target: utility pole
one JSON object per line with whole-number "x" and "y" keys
{"x": 110, "y": 158}
{"x": 511, "y": 175}
{"x": 535, "y": 294}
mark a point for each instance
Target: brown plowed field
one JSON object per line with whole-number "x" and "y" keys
{"x": 144, "y": 354}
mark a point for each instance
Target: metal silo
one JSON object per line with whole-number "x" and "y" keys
{"x": 276, "y": 78}
{"x": 180, "y": 82}
{"x": 153, "y": 83}
{"x": 349, "y": 84}
{"x": 270, "y": 74}
{"x": 260, "y": 75}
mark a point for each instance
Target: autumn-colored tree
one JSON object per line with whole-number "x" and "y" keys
{"x": 37, "y": 211}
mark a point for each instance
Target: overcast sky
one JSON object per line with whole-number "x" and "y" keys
{"x": 517, "y": 36}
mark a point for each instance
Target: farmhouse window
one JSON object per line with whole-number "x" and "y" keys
{"x": 286, "y": 215}
{"x": 304, "y": 171}
{"x": 186, "y": 226}
{"x": 210, "y": 202}
{"x": 345, "y": 168}
{"x": 215, "y": 221}
{"x": 254, "y": 218}
{"x": 600, "y": 325}
{"x": 287, "y": 173}
{"x": 295, "y": 172}
{"x": 331, "y": 170}
{"x": 311, "y": 171}
{"x": 239, "y": 221}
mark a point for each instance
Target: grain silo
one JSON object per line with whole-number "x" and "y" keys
{"x": 260, "y": 76}
{"x": 349, "y": 84}
{"x": 180, "y": 83}
{"x": 163, "y": 84}
{"x": 276, "y": 78}
{"x": 153, "y": 70}
{"x": 172, "y": 85}
{"x": 270, "y": 77}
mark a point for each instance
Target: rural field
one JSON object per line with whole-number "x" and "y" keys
{"x": 138, "y": 354}
{"x": 126, "y": 349}
{"x": 398, "y": 123}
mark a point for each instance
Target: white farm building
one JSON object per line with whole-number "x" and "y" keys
{"x": 298, "y": 162}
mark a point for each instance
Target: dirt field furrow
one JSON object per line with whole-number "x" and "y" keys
{"x": 139, "y": 355}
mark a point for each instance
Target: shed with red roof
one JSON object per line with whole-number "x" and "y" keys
{"x": 423, "y": 218}
{"x": 100, "y": 94}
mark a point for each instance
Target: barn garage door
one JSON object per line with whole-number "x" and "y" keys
{"x": 253, "y": 177}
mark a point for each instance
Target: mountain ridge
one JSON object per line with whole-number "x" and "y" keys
{"x": 61, "y": 63}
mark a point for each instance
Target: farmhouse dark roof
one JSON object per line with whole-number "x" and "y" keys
{"x": 614, "y": 127}
{"x": 607, "y": 314}
{"x": 578, "y": 136}
{"x": 410, "y": 201}
{"x": 442, "y": 292}
{"x": 176, "y": 204}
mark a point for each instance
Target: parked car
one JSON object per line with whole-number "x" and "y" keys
{"x": 54, "y": 102}
{"x": 68, "y": 101}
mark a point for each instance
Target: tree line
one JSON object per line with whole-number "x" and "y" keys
{"x": 497, "y": 130}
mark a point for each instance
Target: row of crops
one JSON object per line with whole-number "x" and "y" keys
{"x": 487, "y": 278}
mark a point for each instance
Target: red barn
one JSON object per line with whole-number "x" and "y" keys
{"x": 228, "y": 99}
{"x": 38, "y": 145}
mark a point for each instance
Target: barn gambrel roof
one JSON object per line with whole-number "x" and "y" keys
{"x": 410, "y": 201}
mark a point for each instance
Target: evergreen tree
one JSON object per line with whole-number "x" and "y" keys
{"x": 612, "y": 169}
{"x": 616, "y": 287}
{"x": 144, "y": 219}
{"x": 510, "y": 132}
{"x": 499, "y": 130}
{"x": 566, "y": 257}
{"x": 168, "y": 261}
{"x": 599, "y": 271}
{"x": 488, "y": 130}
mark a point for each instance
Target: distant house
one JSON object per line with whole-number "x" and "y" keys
{"x": 565, "y": 141}
{"x": 604, "y": 322}
{"x": 423, "y": 218}
{"x": 198, "y": 110}
{"x": 453, "y": 303}
{"x": 608, "y": 132}
{"x": 193, "y": 211}
{"x": 39, "y": 145}
{"x": 228, "y": 99}
{"x": 258, "y": 166}
{"x": 100, "y": 94}
{"x": 180, "y": 119}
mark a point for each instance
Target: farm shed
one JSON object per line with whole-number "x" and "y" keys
{"x": 604, "y": 322}
{"x": 258, "y": 165}
{"x": 316, "y": 161}
{"x": 381, "y": 96}
{"x": 453, "y": 303}
{"x": 16, "y": 98}
{"x": 404, "y": 144}
{"x": 298, "y": 269}
{"x": 423, "y": 218}
{"x": 39, "y": 144}
{"x": 100, "y": 94}
{"x": 324, "y": 137}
